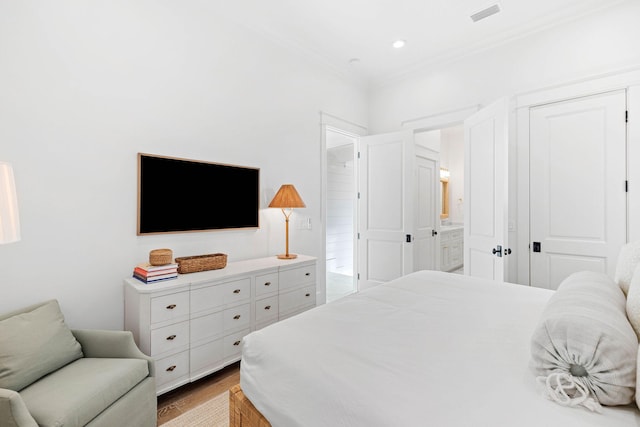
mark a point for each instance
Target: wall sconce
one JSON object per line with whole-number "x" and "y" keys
{"x": 9, "y": 221}
{"x": 287, "y": 198}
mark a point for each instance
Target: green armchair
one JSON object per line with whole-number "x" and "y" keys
{"x": 53, "y": 376}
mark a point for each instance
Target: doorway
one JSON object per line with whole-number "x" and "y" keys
{"x": 341, "y": 198}
{"x": 448, "y": 142}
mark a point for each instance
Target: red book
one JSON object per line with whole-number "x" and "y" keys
{"x": 154, "y": 273}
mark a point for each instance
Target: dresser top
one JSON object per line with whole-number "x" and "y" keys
{"x": 232, "y": 269}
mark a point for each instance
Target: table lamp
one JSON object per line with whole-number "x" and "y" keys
{"x": 287, "y": 198}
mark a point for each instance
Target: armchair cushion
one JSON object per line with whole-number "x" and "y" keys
{"x": 34, "y": 344}
{"x": 74, "y": 394}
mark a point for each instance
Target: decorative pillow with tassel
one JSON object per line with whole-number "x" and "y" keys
{"x": 584, "y": 350}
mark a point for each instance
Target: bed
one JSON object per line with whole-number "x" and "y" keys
{"x": 428, "y": 349}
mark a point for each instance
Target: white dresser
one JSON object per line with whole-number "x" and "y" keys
{"x": 451, "y": 247}
{"x": 193, "y": 325}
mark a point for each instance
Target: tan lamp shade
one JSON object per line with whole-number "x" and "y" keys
{"x": 9, "y": 222}
{"x": 287, "y": 198}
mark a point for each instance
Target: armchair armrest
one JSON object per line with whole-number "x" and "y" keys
{"x": 13, "y": 411}
{"x": 112, "y": 344}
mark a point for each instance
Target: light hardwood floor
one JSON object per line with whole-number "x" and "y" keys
{"x": 180, "y": 400}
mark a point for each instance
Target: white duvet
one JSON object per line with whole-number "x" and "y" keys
{"x": 428, "y": 349}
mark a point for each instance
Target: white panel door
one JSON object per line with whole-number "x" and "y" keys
{"x": 427, "y": 175}
{"x": 486, "y": 192}
{"x": 386, "y": 207}
{"x": 577, "y": 180}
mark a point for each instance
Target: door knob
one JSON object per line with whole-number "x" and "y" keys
{"x": 497, "y": 251}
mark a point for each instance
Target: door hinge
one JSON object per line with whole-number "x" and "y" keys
{"x": 626, "y": 186}
{"x": 408, "y": 238}
{"x": 358, "y": 195}
{"x": 358, "y": 154}
{"x": 358, "y": 276}
{"x": 358, "y": 236}
{"x": 626, "y": 116}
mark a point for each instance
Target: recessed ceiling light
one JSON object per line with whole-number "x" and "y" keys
{"x": 399, "y": 43}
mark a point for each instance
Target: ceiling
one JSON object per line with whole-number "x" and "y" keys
{"x": 355, "y": 37}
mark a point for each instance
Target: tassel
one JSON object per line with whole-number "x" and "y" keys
{"x": 565, "y": 390}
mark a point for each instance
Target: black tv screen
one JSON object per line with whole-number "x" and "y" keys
{"x": 181, "y": 195}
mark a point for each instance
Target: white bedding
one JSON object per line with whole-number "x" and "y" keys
{"x": 428, "y": 349}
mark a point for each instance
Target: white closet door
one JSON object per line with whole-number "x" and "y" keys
{"x": 386, "y": 207}
{"x": 577, "y": 187}
{"x": 486, "y": 139}
{"x": 427, "y": 176}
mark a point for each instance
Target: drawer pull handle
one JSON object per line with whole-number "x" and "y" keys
{"x": 236, "y": 317}
{"x": 237, "y": 342}
{"x": 307, "y": 295}
{"x": 171, "y": 368}
{"x": 171, "y": 307}
{"x": 237, "y": 291}
{"x": 307, "y": 274}
{"x": 171, "y": 337}
{"x": 268, "y": 307}
{"x": 267, "y": 283}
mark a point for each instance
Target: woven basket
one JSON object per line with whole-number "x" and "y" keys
{"x": 192, "y": 264}
{"x": 160, "y": 257}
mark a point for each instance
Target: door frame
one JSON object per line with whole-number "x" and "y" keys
{"x": 629, "y": 80}
{"x": 351, "y": 129}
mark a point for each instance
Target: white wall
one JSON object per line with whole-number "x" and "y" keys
{"x": 589, "y": 45}
{"x": 87, "y": 85}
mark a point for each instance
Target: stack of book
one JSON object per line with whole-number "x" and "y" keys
{"x": 148, "y": 273}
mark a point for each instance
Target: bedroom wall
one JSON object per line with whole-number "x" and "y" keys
{"x": 597, "y": 44}
{"x": 87, "y": 85}
{"x": 588, "y": 45}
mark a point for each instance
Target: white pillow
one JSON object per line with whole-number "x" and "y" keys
{"x": 633, "y": 301}
{"x": 584, "y": 349}
{"x": 628, "y": 259}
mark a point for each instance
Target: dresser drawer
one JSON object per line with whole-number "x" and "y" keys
{"x": 169, "y": 307}
{"x": 457, "y": 234}
{"x": 209, "y": 326}
{"x": 206, "y": 356}
{"x": 266, "y": 283}
{"x": 169, "y": 338}
{"x": 297, "y": 298}
{"x": 218, "y": 294}
{"x": 217, "y": 324}
{"x": 266, "y": 309}
{"x": 172, "y": 369}
{"x": 233, "y": 344}
{"x": 237, "y": 317}
{"x": 296, "y": 277}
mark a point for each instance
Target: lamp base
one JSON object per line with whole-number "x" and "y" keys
{"x": 287, "y": 256}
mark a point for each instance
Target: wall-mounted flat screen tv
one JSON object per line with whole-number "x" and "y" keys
{"x": 181, "y": 195}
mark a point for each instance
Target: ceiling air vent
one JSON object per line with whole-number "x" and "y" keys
{"x": 491, "y": 10}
